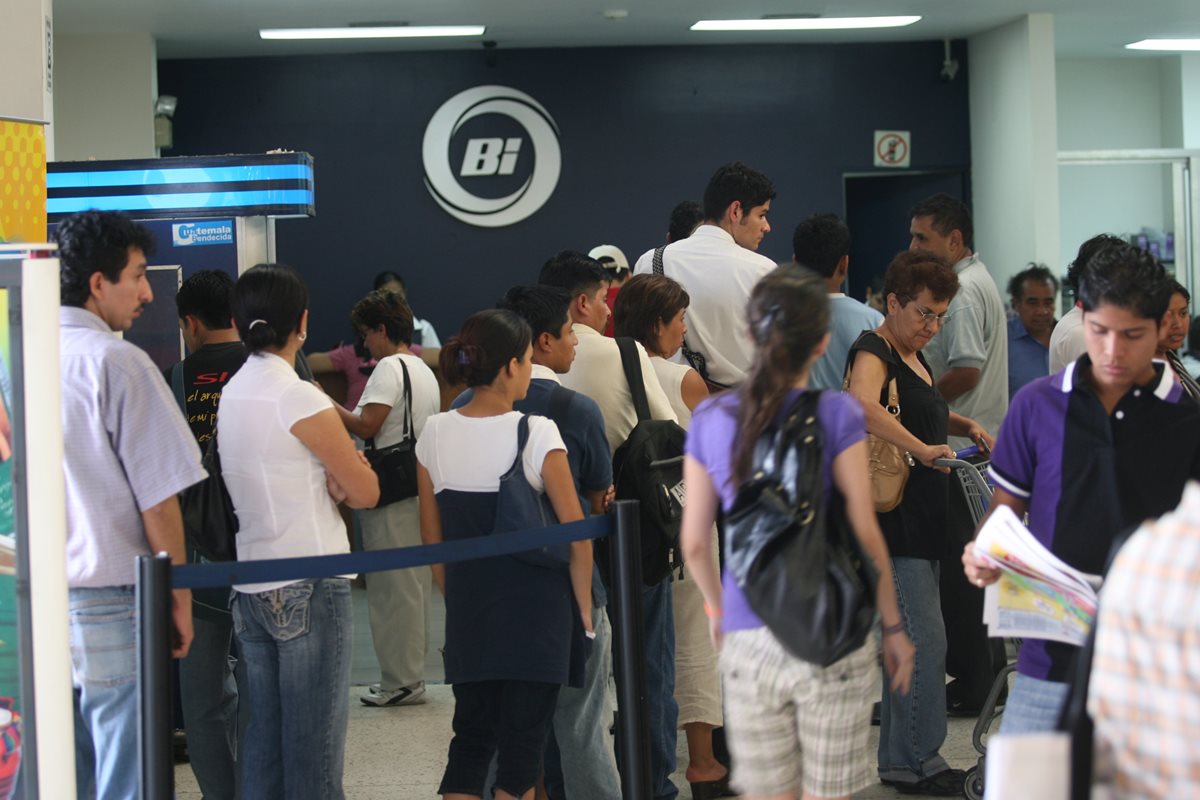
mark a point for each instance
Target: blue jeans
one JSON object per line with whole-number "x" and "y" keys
{"x": 661, "y": 710}
{"x": 579, "y": 738}
{"x": 1033, "y": 705}
{"x": 211, "y": 692}
{"x": 912, "y": 727}
{"x": 104, "y": 673}
{"x": 296, "y": 641}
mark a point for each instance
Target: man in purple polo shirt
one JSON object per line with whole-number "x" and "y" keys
{"x": 1091, "y": 452}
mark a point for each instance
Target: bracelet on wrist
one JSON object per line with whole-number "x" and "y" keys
{"x": 889, "y": 630}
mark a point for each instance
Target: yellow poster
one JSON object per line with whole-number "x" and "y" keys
{"x": 22, "y": 182}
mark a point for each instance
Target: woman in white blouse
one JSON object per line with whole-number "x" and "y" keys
{"x": 650, "y": 309}
{"x": 397, "y": 599}
{"x": 287, "y": 460}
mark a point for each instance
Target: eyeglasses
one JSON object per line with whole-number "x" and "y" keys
{"x": 928, "y": 317}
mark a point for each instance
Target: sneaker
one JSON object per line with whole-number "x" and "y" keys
{"x": 948, "y": 783}
{"x": 404, "y": 696}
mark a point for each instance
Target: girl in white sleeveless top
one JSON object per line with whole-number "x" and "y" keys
{"x": 650, "y": 309}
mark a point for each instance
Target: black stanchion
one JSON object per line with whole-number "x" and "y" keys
{"x": 154, "y": 677}
{"x": 629, "y": 638}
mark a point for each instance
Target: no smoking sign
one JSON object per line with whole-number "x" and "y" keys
{"x": 893, "y": 148}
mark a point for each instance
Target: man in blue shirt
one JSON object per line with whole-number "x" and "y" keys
{"x": 1091, "y": 452}
{"x": 1032, "y": 290}
{"x": 822, "y": 243}
{"x": 578, "y": 763}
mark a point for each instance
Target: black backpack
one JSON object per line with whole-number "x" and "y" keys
{"x": 648, "y": 467}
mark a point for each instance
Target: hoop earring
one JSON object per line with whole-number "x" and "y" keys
{"x": 303, "y": 335}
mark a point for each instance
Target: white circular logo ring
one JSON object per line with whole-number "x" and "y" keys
{"x": 488, "y": 212}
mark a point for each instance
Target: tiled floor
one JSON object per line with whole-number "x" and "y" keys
{"x": 399, "y": 753}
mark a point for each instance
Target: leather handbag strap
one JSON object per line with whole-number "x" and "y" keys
{"x": 409, "y": 429}
{"x": 893, "y": 388}
{"x": 632, "y": 363}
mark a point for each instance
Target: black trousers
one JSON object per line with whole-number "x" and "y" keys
{"x": 505, "y": 718}
{"x": 972, "y": 658}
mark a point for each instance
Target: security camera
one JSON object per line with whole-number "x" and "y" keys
{"x": 949, "y": 64}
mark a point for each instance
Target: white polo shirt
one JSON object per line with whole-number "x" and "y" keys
{"x": 718, "y": 275}
{"x": 598, "y": 373}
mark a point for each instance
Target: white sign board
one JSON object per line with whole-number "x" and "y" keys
{"x": 893, "y": 148}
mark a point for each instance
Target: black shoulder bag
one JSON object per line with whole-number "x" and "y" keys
{"x": 798, "y": 563}
{"x": 396, "y": 465}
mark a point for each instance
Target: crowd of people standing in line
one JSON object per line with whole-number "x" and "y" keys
{"x": 725, "y": 341}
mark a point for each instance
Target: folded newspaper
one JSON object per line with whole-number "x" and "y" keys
{"x": 1038, "y": 596}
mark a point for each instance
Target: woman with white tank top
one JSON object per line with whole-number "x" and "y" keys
{"x": 650, "y": 309}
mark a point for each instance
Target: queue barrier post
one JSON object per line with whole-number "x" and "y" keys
{"x": 154, "y": 635}
{"x": 629, "y": 652}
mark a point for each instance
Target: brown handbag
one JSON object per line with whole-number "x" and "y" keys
{"x": 888, "y": 466}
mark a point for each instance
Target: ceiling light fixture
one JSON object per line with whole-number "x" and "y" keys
{"x": 803, "y": 23}
{"x": 1165, "y": 44}
{"x": 373, "y": 32}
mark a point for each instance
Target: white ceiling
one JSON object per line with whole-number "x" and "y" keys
{"x": 218, "y": 28}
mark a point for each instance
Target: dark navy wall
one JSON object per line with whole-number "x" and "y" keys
{"x": 641, "y": 129}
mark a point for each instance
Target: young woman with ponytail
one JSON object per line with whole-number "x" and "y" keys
{"x": 511, "y": 624}
{"x": 792, "y": 726}
{"x": 287, "y": 460}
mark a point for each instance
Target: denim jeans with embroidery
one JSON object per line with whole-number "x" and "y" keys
{"x": 296, "y": 641}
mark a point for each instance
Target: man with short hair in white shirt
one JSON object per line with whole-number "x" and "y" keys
{"x": 1067, "y": 342}
{"x": 129, "y": 453}
{"x": 822, "y": 243}
{"x": 718, "y": 266}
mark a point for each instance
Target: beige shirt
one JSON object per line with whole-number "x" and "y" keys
{"x": 597, "y": 372}
{"x": 671, "y": 376}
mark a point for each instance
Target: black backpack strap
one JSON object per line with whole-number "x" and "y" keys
{"x": 177, "y": 387}
{"x": 632, "y": 362}
{"x": 656, "y": 263}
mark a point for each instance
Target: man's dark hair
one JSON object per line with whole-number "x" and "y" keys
{"x": 736, "y": 181}
{"x": 949, "y": 214}
{"x": 1128, "y": 278}
{"x": 96, "y": 241}
{"x": 208, "y": 296}
{"x": 684, "y": 219}
{"x": 386, "y": 277}
{"x": 820, "y": 242}
{"x": 545, "y": 308}
{"x": 574, "y": 272}
{"x": 1086, "y": 250}
{"x": 386, "y": 308}
{"x": 1038, "y": 273}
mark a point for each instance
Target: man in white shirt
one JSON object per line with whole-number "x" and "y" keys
{"x": 1067, "y": 342}
{"x": 822, "y": 243}
{"x": 718, "y": 266}
{"x": 598, "y": 373}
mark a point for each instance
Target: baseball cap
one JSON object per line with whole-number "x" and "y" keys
{"x": 610, "y": 256}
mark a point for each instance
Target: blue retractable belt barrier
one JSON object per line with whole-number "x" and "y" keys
{"x": 226, "y": 573}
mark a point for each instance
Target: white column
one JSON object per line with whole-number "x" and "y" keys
{"x": 105, "y": 88}
{"x": 1014, "y": 145}
{"x": 1181, "y": 101}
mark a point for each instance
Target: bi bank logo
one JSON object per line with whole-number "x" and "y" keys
{"x": 190, "y": 234}
{"x": 491, "y": 156}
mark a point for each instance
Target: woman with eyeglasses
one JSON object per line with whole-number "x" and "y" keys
{"x": 918, "y": 288}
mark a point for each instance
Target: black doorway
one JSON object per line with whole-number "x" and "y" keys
{"x": 877, "y": 206}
